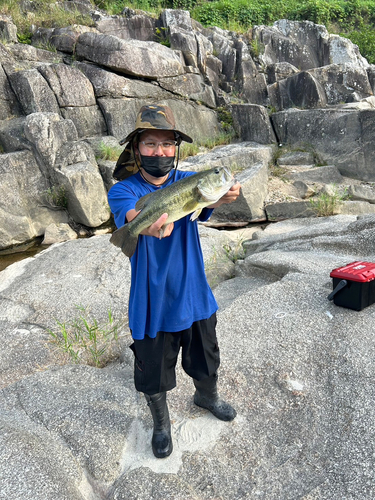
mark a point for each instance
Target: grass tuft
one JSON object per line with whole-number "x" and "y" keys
{"x": 85, "y": 341}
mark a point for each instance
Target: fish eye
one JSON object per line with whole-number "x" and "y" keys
{"x": 217, "y": 171}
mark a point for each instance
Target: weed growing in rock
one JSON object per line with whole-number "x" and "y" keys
{"x": 327, "y": 204}
{"x": 84, "y": 341}
{"x": 108, "y": 152}
{"x": 56, "y": 196}
{"x": 193, "y": 149}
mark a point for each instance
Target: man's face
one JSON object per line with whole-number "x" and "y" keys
{"x": 157, "y": 143}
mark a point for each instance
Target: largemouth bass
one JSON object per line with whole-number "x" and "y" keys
{"x": 186, "y": 196}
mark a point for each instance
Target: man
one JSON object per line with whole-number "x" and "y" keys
{"x": 171, "y": 305}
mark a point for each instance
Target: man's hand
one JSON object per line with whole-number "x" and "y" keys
{"x": 229, "y": 197}
{"x": 156, "y": 228}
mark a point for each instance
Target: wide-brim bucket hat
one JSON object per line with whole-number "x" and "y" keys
{"x": 155, "y": 116}
{"x": 150, "y": 117}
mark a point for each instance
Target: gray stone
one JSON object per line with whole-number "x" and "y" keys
{"x": 12, "y": 136}
{"x": 96, "y": 431}
{"x": 106, "y": 169}
{"x": 342, "y": 81}
{"x": 296, "y": 158}
{"x": 132, "y": 57}
{"x": 86, "y": 195}
{"x": 249, "y": 206}
{"x": 225, "y": 50}
{"x": 250, "y": 83}
{"x": 286, "y": 210}
{"x": 65, "y": 39}
{"x": 120, "y": 116}
{"x": 304, "y": 190}
{"x": 342, "y": 137}
{"x": 356, "y": 208}
{"x": 136, "y": 27}
{"x": 280, "y": 70}
{"x": 8, "y": 30}
{"x": 31, "y": 56}
{"x": 76, "y": 169}
{"x": 251, "y": 123}
{"x": 177, "y": 26}
{"x": 342, "y": 50}
{"x": 190, "y": 86}
{"x": 88, "y": 120}
{"x": 9, "y": 106}
{"x": 108, "y": 84}
{"x": 23, "y": 210}
{"x": 48, "y": 132}
{"x": 362, "y": 193}
{"x": 371, "y": 76}
{"x": 302, "y": 44}
{"x": 57, "y": 233}
{"x": 33, "y": 92}
{"x": 301, "y": 90}
{"x": 325, "y": 174}
{"x": 70, "y": 86}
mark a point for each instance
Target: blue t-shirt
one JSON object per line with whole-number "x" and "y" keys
{"x": 169, "y": 289}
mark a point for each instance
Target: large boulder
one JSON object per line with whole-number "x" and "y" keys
{"x": 341, "y": 137}
{"x": 128, "y": 27}
{"x": 77, "y": 171}
{"x": 252, "y": 123}
{"x": 302, "y": 44}
{"x": 197, "y": 121}
{"x": 301, "y": 90}
{"x": 33, "y": 92}
{"x": 108, "y": 84}
{"x": 9, "y": 105}
{"x": 70, "y": 86}
{"x": 47, "y": 132}
{"x": 341, "y": 82}
{"x": 133, "y": 57}
{"x": 251, "y": 84}
{"x": 24, "y": 212}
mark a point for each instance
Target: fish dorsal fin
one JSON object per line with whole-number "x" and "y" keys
{"x": 144, "y": 201}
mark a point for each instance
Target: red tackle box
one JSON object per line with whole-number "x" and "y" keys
{"x": 354, "y": 285}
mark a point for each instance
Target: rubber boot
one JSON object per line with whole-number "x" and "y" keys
{"x": 161, "y": 439}
{"x": 206, "y": 396}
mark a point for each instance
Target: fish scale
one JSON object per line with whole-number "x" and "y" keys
{"x": 188, "y": 195}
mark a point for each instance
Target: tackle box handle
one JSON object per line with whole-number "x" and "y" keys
{"x": 338, "y": 287}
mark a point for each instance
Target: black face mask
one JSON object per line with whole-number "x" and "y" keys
{"x": 157, "y": 166}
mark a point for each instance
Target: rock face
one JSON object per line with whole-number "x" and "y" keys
{"x": 295, "y": 366}
{"x": 292, "y": 84}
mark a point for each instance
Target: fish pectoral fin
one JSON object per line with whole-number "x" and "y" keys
{"x": 161, "y": 231}
{"x": 196, "y": 214}
{"x": 190, "y": 206}
{"x": 143, "y": 202}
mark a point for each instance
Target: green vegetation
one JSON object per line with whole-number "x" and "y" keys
{"x": 44, "y": 13}
{"x": 56, "y": 196}
{"x": 187, "y": 149}
{"x": 108, "y": 152}
{"x": 85, "y": 341}
{"x": 326, "y": 204}
{"x": 354, "y": 19}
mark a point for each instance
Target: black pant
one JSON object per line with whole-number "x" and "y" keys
{"x": 155, "y": 359}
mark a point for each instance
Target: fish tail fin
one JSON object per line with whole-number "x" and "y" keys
{"x": 124, "y": 239}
